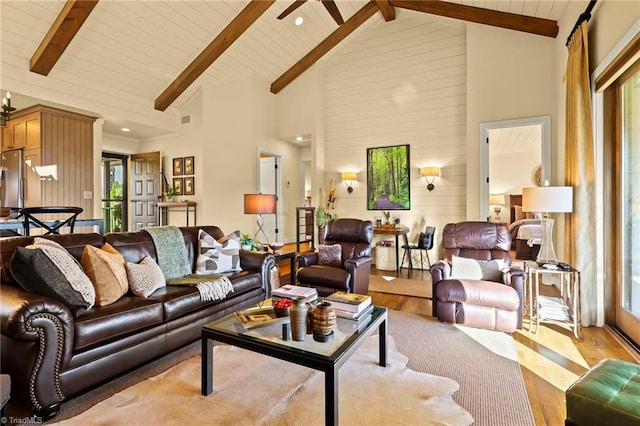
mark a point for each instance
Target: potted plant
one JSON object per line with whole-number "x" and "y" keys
{"x": 322, "y": 217}
{"x": 246, "y": 241}
{"x": 169, "y": 193}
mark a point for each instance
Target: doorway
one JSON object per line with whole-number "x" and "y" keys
{"x": 269, "y": 182}
{"x": 507, "y": 142}
{"x": 114, "y": 192}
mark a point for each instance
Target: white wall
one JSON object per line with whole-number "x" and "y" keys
{"x": 509, "y": 75}
{"x": 400, "y": 82}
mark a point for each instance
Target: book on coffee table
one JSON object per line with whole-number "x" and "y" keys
{"x": 349, "y": 302}
{"x": 295, "y": 291}
{"x": 356, "y": 316}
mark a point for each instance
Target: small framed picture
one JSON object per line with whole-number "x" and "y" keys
{"x": 188, "y": 186}
{"x": 178, "y": 166}
{"x": 178, "y": 185}
{"x": 188, "y": 165}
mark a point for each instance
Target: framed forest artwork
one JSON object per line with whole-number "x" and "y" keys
{"x": 388, "y": 178}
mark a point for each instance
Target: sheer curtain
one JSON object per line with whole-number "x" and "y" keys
{"x": 580, "y": 239}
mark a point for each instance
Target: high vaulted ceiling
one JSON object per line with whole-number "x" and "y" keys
{"x": 137, "y": 49}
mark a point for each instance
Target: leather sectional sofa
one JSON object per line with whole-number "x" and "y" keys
{"x": 52, "y": 356}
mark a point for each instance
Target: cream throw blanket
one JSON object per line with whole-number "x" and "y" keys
{"x": 211, "y": 287}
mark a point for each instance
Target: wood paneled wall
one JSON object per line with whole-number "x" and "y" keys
{"x": 67, "y": 147}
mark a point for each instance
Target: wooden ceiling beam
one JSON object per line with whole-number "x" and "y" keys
{"x": 388, "y": 11}
{"x": 62, "y": 31}
{"x": 332, "y": 40}
{"x": 212, "y": 52}
{"x": 512, "y": 21}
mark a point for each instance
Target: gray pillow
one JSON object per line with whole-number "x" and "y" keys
{"x": 48, "y": 269}
{"x": 472, "y": 269}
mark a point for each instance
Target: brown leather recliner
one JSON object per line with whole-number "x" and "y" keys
{"x": 355, "y": 236}
{"x": 478, "y": 303}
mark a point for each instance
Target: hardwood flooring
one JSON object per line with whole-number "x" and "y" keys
{"x": 551, "y": 360}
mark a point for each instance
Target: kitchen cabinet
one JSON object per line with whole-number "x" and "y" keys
{"x": 57, "y": 154}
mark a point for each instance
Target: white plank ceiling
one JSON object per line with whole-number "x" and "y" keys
{"x": 139, "y": 47}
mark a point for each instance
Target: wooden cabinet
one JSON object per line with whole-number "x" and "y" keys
{"x": 58, "y": 156}
{"x": 22, "y": 132}
{"x": 305, "y": 227}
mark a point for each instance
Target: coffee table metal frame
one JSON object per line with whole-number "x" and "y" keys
{"x": 329, "y": 364}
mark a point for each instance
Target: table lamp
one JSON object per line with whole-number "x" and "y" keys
{"x": 547, "y": 199}
{"x": 497, "y": 200}
{"x": 260, "y": 204}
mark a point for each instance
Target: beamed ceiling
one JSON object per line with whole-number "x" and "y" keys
{"x": 161, "y": 52}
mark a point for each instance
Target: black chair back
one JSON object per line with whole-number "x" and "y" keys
{"x": 50, "y": 226}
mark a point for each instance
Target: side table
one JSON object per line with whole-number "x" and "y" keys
{"x": 564, "y": 309}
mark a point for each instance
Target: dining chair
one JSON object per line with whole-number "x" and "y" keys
{"x": 425, "y": 243}
{"x": 50, "y": 226}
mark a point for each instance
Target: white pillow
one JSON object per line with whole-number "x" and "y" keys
{"x": 463, "y": 268}
{"x": 218, "y": 256}
{"x": 145, "y": 277}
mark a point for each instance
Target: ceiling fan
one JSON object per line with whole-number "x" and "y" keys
{"x": 330, "y": 5}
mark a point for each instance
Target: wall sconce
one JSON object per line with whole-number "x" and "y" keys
{"x": 497, "y": 200}
{"x": 260, "y": 204}
{"x": 348, "y": 178}
{"x": 430, "y": 174}
{"x": 7, "y": 109}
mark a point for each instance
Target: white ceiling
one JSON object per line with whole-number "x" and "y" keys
{"x": 138, "y": 48}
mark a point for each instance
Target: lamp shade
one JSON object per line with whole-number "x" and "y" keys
{"x": 349, "y": 176}
{"x": 497, "y": 199}
{"x": 547, "y": 199}
{"x": 259, "y": 203}
{"x": 429, "y": 171}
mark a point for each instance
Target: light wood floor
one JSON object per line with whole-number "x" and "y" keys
{"x": 551, "y": 360}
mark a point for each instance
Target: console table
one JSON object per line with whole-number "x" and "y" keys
{"x": 186, "y": 206}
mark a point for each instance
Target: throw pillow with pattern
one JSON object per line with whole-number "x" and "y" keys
{"x": 473, "y": 269}
{"x": 330, "y": 255}
{"x": 48, "y": 269}
{"x": 145, "y": 277}
{"x": 218, "y": 256}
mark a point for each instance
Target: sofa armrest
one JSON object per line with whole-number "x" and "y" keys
{"x": 360, "y": 270}
{"x": 259, "y": 261}
{"x": 307, "y": 259}
{"x": 516, "y": 277}
{"x": 440, "y": 271}
{"x": 38, "y": 334}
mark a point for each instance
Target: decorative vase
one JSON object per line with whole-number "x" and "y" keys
{"x": 298, "y": 319}
{"x": 324, "y": 321}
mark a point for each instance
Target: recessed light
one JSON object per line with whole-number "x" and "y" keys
{"x": 299, "y": 138}
{"x": 125, "y": 129}
{"x": 299, "y": 20}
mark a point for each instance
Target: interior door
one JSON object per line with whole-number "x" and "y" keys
{"x": 145, "y": 189}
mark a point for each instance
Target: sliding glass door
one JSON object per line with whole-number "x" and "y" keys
{"x": 627, "y": 311}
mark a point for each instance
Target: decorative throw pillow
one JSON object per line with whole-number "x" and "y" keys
{"x": 330, "y": 255}
{"x": 472, "y": 269}
{"x": 105, "y": 267}
{"x": 48, "y": 269}
{"x": 218, "y": 256}
{"x": 145, "y": 277}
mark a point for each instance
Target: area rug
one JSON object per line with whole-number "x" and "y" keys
{"x": 402, "y": 286}
{"x": 253, "y": 389}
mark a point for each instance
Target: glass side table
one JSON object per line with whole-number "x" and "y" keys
{"x": 564, "y": 309}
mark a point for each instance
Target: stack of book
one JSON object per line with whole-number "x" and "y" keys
{"x": 289, "y": 291}
{"x": 350, "y": 305}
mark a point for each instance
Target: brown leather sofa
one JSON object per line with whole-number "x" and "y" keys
{"x": 474, "y": 302}
{"x": 355, "y": 236}
{"x": 52, "y": 356}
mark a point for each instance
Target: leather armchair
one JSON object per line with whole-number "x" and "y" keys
{"x": 478, "y": 303}
{"x": 355, "y": 236}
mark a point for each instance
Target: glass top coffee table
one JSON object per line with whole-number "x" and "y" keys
{"x": 322, "y": 356}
